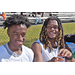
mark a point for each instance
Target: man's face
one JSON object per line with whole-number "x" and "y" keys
{"x": 17, "y": 34}
{"x": 52, "y": 29}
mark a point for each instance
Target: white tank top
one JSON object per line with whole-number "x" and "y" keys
{"x": 46, "y": 54}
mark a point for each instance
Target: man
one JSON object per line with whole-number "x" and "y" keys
{"x": 22, "y": 13}
{"x": 69, "y": 38}
{"x": 39, "y": 13}
{"x": 38, "y": 19}
{"x": 14, "y": 50}
{"x": 3, "y": 15}
{"x": 50, "y": 45}
{"x": 1, "y": 18}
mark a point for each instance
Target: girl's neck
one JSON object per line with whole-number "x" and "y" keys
{"x": 53, "y": 43}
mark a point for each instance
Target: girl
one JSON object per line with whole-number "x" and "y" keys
{"x": 50, "y": 45}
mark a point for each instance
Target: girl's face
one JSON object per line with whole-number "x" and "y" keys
{"x": 52, "y": 29}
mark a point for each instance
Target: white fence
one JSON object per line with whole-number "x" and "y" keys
{"x": 64, "y": 16}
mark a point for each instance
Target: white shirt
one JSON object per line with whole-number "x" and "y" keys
{"x": 6, "y": 55}
{"x": 46, "y": 54}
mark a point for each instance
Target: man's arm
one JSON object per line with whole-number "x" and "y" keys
{"x": 37, "y": 52}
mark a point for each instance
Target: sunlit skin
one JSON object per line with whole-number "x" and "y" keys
{"x": 17, "y": 34}
{"x": 52, "y": 29}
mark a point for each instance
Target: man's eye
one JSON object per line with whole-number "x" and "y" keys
{"x": 23, "y": 35}
{"x": 55, "y": 27}
{"x": 15, "y": 34}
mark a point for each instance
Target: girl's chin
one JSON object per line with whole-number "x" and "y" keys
{"x": 52, "y": 37}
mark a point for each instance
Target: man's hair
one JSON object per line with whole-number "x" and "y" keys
{"x": 44, "y": 37}
{"x": 16, "y": 20}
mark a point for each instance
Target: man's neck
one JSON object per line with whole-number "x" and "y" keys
{"x": 14, "y": 49}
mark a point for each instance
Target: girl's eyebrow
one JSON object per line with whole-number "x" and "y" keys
{"x": 52, "y": 25}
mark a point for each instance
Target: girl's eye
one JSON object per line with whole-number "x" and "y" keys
{"x": 52, "y": 27}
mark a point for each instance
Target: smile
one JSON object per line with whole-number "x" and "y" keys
{"x": 51, "y": 33}
{"x": 19, "y": 42}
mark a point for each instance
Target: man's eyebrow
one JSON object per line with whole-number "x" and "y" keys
{"x": 17, "y": 32}
{"x": 14, "y": 32}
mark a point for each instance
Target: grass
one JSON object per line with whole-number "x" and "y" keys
{"x": 33, "y": 33}
{"x": 3, "y": 36}
{"x": 69, "y": 28}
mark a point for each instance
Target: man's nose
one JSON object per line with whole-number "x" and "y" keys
{"x": 20, "y": 37}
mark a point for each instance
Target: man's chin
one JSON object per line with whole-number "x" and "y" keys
{"x": 19, "y": 46}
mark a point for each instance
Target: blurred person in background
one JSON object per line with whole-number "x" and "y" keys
{"x": 2, "y": 16}
{"x": 39, "y": 13}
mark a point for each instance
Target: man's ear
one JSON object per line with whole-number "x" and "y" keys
{"x": 8, "y": 33}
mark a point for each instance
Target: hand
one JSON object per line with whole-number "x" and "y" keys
{"x": 65, "y": 53}
{"x": 56, "y": 59}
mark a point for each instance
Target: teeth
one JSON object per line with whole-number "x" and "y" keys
{"x": 51, "y": 33}
{"x": 19, "y": 42}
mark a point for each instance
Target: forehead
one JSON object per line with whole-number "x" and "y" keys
{"x": 53, "y": 22}
{"x": 18, "y": 27}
